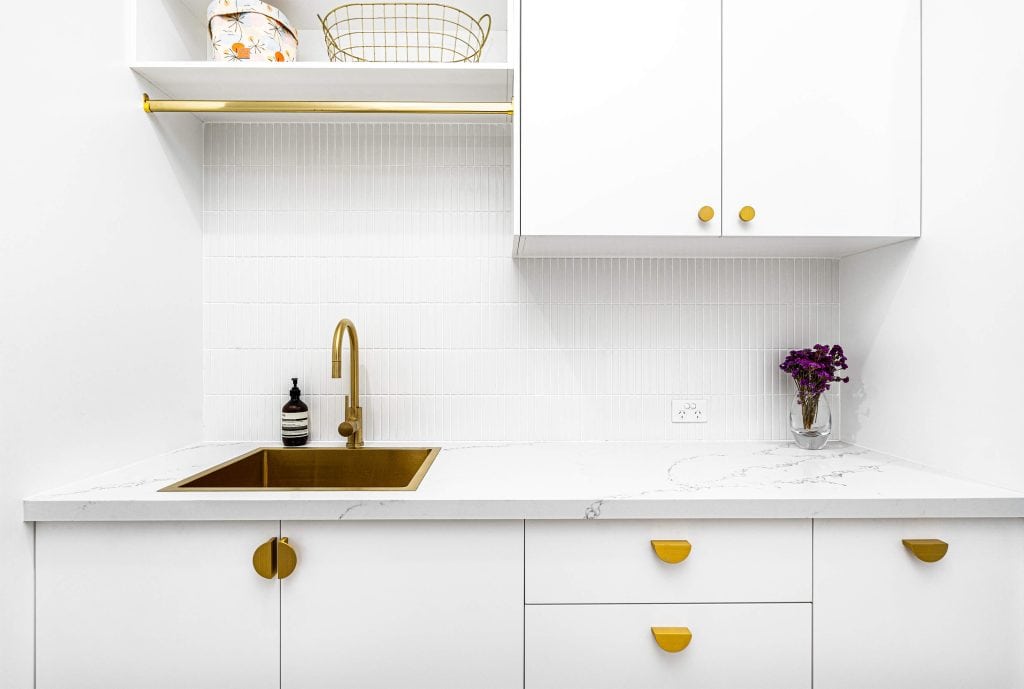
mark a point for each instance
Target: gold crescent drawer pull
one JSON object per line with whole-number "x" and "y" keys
{"x": 672, "y": 552}
{"x": 926, "y": 549}
{"x": 672, "y": 639}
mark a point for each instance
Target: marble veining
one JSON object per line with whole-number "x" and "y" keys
{"x": 547, "y": 480}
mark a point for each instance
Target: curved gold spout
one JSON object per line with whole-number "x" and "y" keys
{"x": 352, "y": 426}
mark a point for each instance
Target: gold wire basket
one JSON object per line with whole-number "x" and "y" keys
{"x": 404, "y": 32}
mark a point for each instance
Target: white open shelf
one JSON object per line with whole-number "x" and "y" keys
{"x": 170, "y": 48}
{"x": 328, "y": 81}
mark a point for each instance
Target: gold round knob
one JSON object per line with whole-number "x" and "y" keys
{"x": 706, "y": 213}
{"x": 747, "y": 213}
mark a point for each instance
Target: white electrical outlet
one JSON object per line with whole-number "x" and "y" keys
{"x": 689, "y": 411}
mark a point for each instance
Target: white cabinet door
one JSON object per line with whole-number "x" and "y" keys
{"x": 821, "y": 117}
{"x": 620, "y": 118}
{"x": 426, "y": 604}
{"x": 155, "y": 605}
{"x": 886, "y": 620}
{"x": 734, "y": 646}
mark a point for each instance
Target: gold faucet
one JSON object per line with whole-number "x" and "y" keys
{"x": 352, "y": 426}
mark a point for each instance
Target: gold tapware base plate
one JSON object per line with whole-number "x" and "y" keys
{"x": 316, "y": 468}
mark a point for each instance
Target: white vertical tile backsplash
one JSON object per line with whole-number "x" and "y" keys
{"x": 406, "y": 229}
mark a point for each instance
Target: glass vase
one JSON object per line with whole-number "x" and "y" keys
{"x": 810, "y": 421}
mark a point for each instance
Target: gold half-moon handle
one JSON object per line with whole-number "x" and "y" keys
{"x": 672, "y": 639}
{"x": 926, "y": 549}
{"x": 286, "y": 559}
{"x": 672, "y": 552}
{"x": 706, "y": 213}
{"x": 264, "y": 559}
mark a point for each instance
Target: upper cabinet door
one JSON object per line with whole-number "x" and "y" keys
{"x": 822, "y": 117}
{"x": 620, "y": 118}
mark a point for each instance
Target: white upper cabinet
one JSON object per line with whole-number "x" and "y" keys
{"x": 822, "y": 117}
{"x": 631, "y": 121}
{"x": 620, "y": 118}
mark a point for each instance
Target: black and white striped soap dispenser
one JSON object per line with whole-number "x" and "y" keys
{"x": 295, "y": 419}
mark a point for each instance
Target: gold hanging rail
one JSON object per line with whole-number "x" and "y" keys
{"x": 326, "y": 107}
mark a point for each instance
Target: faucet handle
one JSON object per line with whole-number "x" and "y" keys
{"x": 346, "y": 428}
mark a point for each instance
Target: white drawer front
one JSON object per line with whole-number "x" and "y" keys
{"x": 742, "y": 561}
{"x": 733, "y": 646}
{"x": 887, "y": 620}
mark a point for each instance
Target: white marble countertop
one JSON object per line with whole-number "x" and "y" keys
{"x": 633, "y": 480}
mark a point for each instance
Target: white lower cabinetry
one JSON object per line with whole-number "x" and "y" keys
{"x": 597, "y": 590}
{"x": 164, "y": 605}
{"x": 388, "y": 604}
{"x": 733, "y": 646}
{"x": 886, "y": 620}
{"x": 478, "y": 604}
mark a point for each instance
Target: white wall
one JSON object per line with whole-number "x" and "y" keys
{"x": 934, "y": 328}
{"x": 100, "y": 278}
{"x": 405, "y": 229}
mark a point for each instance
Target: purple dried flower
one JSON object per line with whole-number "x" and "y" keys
{"x": 814, "y": 369}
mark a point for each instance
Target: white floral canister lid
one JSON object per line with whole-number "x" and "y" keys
{"x": 250, "y": 29}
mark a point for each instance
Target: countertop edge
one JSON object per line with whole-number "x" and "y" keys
{"x": 351, "y": 510}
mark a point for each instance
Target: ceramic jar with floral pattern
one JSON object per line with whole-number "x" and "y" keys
{"x": 251, "y": 30}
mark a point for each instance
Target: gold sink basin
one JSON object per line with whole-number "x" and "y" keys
{"x": 316, "y": 468}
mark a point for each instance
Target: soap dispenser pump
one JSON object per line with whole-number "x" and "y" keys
{"x": 295, "y": 419}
